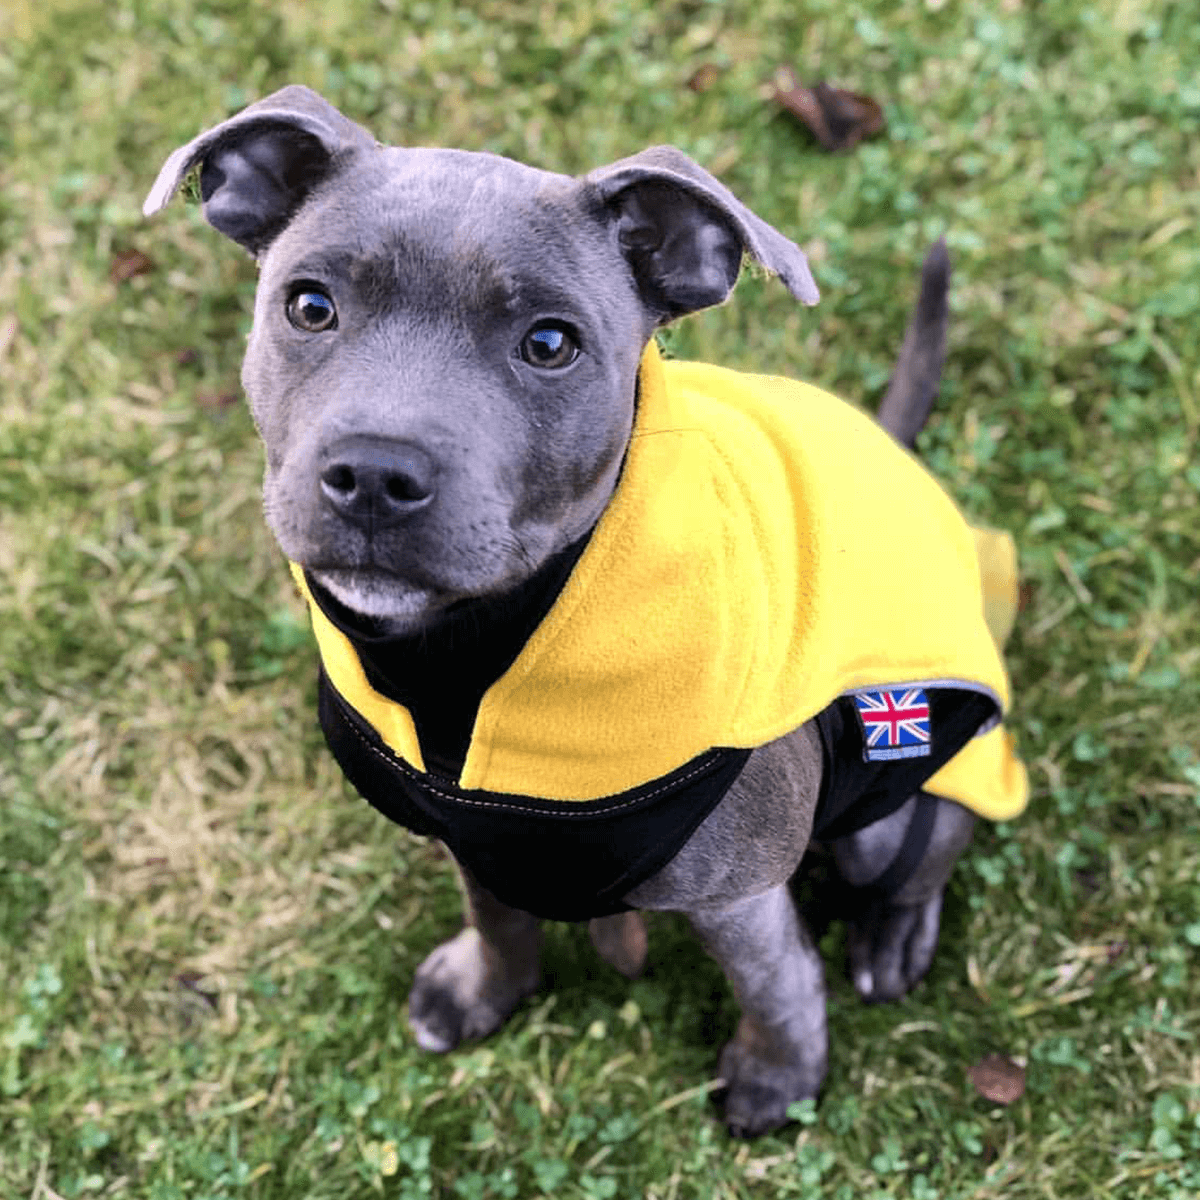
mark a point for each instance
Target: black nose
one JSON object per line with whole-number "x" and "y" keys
{"x": 376, "y": 481}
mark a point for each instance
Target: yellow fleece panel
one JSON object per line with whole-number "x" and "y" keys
{"x": 986, "y": 775}
{"x": 390, "y": 720}
{"x": 767, "y": 549}
{"x": 997, "y": 556}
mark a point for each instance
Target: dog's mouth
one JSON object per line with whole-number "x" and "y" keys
{"x": 377, "y": 606}
{"x": 375, "y": 603}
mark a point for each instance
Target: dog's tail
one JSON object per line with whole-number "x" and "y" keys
{"x": 914, "y": 386}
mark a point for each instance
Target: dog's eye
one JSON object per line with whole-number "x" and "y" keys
{"x": 550, "y": 344}
{"x": 311, "y": 310}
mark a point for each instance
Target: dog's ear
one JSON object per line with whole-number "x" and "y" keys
{"x": 684, "y": 233}
{"x": 257, "y": 168}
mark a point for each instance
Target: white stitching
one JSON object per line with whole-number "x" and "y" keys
{"x": 421, "y": 781}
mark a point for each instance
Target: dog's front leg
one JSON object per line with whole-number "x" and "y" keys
{"x": 469, "y": 985}
{"x": 780, "y": 1051}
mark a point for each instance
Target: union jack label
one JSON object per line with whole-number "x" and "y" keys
{"x": 895, "y": 723}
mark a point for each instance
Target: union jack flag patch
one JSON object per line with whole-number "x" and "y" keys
{"x": 895, "y": 723}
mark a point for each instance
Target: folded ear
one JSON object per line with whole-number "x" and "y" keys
{"x": 684, "y": 233}
{"x": 257, "y": 168}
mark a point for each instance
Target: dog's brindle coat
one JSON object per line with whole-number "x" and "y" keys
{"x": 426, "y": 452}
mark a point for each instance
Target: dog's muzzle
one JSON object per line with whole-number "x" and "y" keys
{"x": 373, "y": 482}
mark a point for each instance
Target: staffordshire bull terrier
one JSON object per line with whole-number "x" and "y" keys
{"x": 623, "y": 633}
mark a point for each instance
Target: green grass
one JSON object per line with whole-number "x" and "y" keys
{"x": 206, "y": 941}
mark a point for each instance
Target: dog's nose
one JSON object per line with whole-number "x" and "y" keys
{"x": 377, "y": 481}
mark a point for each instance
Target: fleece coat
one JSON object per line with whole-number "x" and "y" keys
{"x": 767, "y": 551}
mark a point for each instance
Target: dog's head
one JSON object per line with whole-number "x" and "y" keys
{"x": 445, "y": 345}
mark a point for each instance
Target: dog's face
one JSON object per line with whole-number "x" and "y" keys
{"x": 445, "y": 346}
{"x": 459, "y": 316}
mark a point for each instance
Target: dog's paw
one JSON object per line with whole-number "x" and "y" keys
{"x": 890, "y": 953}
{"x": 760, "y": 1085}
{"x": 462, "y": 991}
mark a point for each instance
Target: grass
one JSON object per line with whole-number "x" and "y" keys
{"x": 206, "y": 940}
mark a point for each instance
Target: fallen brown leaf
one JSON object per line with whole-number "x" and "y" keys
{"x": 838, "y": 119}
{"x": 128, "y": 263}
{"x": 8, "y": 333}
{"x": 704, "y": 76}
{"x": 217, "y": 400}
{"x": 998, "y": 1079}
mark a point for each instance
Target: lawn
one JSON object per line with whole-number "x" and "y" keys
{"x": 206, "y": 939}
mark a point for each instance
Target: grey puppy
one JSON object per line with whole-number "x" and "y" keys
{"x": 444, "y": 368}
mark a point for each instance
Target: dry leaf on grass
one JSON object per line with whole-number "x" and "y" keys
{"x": 704, "y": 77}
{"x": 217, "y": 400}
{"x": 128, "y": 263}
{"x": 998, "y": 1079}
{"x": 838, "y": 119}
{"x": 8, "y": 334}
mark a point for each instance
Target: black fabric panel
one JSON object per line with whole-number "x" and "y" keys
{"x": 912, "y": 849}
{"x": 441, "y": 675}
{"x": 561, "y": 861}
{"x": 856, "y": 793}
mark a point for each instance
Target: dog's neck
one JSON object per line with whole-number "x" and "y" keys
{"x": 441, "y": 674}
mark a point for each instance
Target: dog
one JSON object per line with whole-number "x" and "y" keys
{"x": 625, "y": 634}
